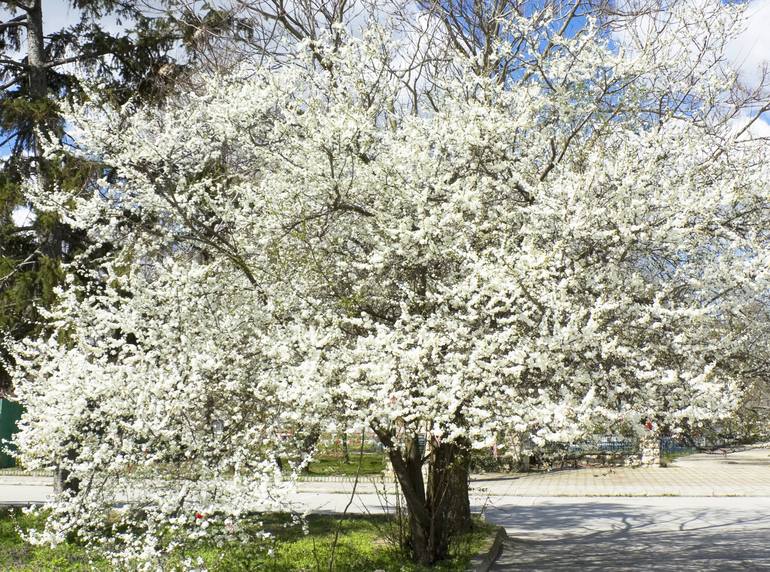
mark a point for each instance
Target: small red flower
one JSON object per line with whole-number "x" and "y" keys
{"x": 198, "y": 515}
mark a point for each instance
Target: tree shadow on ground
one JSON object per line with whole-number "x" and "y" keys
{"x": 615, "y": 537}
{"x": 718, "y": 459}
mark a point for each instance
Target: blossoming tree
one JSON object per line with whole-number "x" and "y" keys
{"x": 556, "y": 232}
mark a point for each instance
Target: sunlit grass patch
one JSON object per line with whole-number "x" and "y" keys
{"x": 363, "y": 543}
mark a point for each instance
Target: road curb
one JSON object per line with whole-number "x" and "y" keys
{"x": 483, "y": 562}
{"x": 8, "y": 505}
{"x": 377, "y": 479}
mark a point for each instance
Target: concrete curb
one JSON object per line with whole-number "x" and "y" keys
{"x": 45, "y": 476}
{"x": 23, "y": 473}
{"x": 6, "y": 505}
{"x": 483, "y": 562}
{"x": 344, "y": 479}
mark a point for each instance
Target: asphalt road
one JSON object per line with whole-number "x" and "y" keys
{"x": 624, "y": 533}
{"x": 613, "y": 534}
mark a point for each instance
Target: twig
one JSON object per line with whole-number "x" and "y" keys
{"x": 350, "y": 502}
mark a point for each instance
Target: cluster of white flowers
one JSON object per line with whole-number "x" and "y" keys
{"x": 572, "y": 246}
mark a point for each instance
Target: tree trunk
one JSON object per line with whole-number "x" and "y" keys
{"x": 63, "y": 480}
{"x": 50, "y": 244}
{"x": 38, "y": 78}
{"x": 345, "y": 448}
{"x": 310, "y": 440}
{"x": 441, "y": 511}
{"x": 448, "y": 485}
{"x": 53, "y": 236}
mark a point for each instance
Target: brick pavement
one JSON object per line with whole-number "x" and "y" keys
{"x": 745, "y": 473}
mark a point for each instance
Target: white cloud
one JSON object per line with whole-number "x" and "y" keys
{"x": 23, "y": 216}
{"x": 58, "y": 14}
{"x": 761, "y": 128}
{"x": 751, "y": 50}
{"x": 747, "y": 52}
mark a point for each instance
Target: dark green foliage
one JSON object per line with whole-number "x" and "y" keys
{"x": 134, "y": 63}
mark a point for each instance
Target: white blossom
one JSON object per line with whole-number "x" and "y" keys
{"x": 295, "y": 244}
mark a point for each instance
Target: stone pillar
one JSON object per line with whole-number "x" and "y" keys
{"x": 649, "y": 449}
{"x": 518, "y": 453}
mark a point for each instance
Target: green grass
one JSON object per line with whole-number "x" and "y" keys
{"x": 670, "y": 457}
{"x": 362, "y": 546}
{"x": 371, "y": 464}
{"x": 17, "y": 556}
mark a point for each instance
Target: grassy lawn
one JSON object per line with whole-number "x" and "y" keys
{"x": 17, "y": 555}
{"x": 371, "y": 464}
{"x": 669, "y": 457}
{"x": 363, "y": 546}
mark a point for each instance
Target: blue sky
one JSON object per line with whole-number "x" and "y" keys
{"x": 58, "y": 14}
{"x": 749, "y": 52}
{"x": 752, "y": 48}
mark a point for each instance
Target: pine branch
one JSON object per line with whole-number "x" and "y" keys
{"x": 78, "y": 58}
{"x": 10, "y": 83}
{"x": 14, "y": 22}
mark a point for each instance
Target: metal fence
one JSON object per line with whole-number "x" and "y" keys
{"x": 671, "y": 445}
{"x": 604, "y": 444}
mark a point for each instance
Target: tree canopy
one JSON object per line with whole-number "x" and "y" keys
{"x": 566, "y": 229}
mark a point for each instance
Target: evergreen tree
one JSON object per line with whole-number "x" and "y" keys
{"x": 40, "y": 71}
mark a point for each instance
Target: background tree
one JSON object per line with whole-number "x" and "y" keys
{"x": 42, "y": 69}
{"x": 127, "y": 50}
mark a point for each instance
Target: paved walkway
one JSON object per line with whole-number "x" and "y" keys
{"x": 648, "y": 519}
{"x": 589, "y": 519}
{"x": 745, "y": 473}
{"x": 620, "y": 534}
